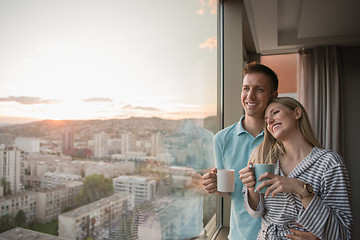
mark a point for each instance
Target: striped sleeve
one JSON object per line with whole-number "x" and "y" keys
{"x": 259, "y": 209}
{"x": 328, "y": 216}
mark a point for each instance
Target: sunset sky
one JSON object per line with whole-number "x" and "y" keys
{"x": 86, "y": 59}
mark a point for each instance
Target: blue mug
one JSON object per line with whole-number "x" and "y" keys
{"x": 261, "y": 169}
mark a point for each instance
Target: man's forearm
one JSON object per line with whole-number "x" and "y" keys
{"x": 223, "y": 194}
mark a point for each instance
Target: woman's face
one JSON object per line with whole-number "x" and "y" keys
{"x": 281, "y": 121}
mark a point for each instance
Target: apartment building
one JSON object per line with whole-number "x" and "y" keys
{"x": 52, "y": 179}
{"x": 91, "y": 220}
{"x": 12, "y": 167}
{"x": 115, "y": 145}
{"x": 32, "y": 182}
{"x": 38, "y": 164}
{"x": 142, "y": 187}
{"x": 53, "y": 201}
{"x": 25, "y": 201}
{"x": 180, "y": 218}
{"x": 181, "y": 176}
{"x": 110, "y": 170}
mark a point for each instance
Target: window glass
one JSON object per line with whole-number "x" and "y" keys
{"x": 113, "y": 104}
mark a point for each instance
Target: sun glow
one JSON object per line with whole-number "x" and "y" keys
{"x": 79, "y": 65}
{"x": 76, "y": 110}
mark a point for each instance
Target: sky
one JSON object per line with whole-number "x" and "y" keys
{"x": 87, "y": 59}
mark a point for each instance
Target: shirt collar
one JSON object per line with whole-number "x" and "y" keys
{"x": 240, "y": 128}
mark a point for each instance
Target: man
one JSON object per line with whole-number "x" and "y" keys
{"x": 234, "y": 144}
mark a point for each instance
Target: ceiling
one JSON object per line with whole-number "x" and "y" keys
{"x": 283, "y": 26}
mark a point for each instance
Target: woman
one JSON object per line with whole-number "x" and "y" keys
{"x": 310, "y": 188}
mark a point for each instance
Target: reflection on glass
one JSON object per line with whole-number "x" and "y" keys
{"x": 108, "y": 113}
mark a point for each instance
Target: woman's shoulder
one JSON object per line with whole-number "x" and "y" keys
{"x": 328, "y": 156}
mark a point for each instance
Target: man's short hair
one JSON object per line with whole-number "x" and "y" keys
{"x": 255, "y": 67}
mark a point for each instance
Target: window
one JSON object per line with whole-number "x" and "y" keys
{"x": 116, "y": 88}
{"x": 285, "y": 66}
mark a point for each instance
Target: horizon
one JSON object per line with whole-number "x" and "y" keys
{"x": 4, "y": 124}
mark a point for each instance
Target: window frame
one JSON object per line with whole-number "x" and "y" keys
{"x": 231, "y": 59}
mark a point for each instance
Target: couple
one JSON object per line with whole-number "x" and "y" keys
{"x": 308, "y": 196}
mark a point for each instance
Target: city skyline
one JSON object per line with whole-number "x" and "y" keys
{"x": 107, "y": 59}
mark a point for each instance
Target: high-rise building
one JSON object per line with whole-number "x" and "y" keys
{"x": 157, "y": 145}
{"x": 101, "y": 145}
{"x": 68, "y": 141}
{"x": 12, "y": 167}
{"x": 28, "y": 145}
{"x": 127, "y": 140}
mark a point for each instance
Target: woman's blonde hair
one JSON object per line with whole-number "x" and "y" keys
{"x": 271, "y": 149}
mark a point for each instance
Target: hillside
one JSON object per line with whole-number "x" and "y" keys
{"x": 85, "y": 129}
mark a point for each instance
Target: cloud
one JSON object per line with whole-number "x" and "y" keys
{"x": 29, "y": 100}
{"x": 95, "y": 99}
{"x": 209, "y": 43}
{"x": 210, "y": 4}
{"x": 131, "y": 107}
{"x": 213, "y": 6}
{"x": 201, "y": 11}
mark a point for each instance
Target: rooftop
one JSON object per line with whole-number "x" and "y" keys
{"x": 87, "y": 209}
{"x": 22, "y": 233}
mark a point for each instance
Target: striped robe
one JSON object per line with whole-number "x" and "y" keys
{"x": 328, "y": 216}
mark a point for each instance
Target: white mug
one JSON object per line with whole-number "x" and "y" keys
{"x": 225, "y": 180}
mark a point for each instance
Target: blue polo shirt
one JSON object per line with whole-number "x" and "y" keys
{"x": 233, "y": 146}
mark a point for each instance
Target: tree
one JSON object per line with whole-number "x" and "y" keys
{"x": 6, "y": 186}
{"x": 20, "y": 219}
{"x": 82, "y": 173}
{"x": 68, "y": 208}
{"x": 6, "y": 223}
{"x": 94, "y": 188}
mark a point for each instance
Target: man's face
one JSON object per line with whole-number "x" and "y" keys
{"x": 256, "y": 94}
